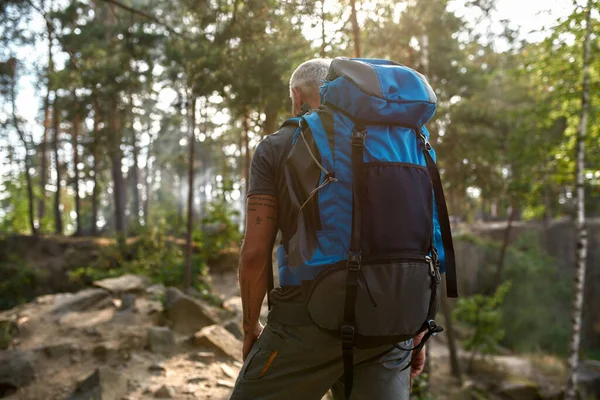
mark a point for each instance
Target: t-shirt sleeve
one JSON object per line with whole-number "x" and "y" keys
{"x": 262, "y": 173}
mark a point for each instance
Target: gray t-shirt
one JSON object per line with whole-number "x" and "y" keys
{"x": 267, "y": 177}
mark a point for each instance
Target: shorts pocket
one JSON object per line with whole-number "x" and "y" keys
{"x": 259, "y": 363}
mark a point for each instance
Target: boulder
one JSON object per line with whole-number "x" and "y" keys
{"x": 186, "y": 314}
{"x": 165, "y": 392}
{"x": 235, "y": 328}
{"x": 160, "y": 339}
{"x": 83, "y": 300}
{"x": 219, "y": 340}
{"x": 127, "y": 302}
{"x": 103, "y": 384}
{"x": 124, "y": 284}
{"x": 234, "y": 305}
{"x": 16, "y": 368}
{"x": 588, "y": 379}
{"x": 519, "y": 389}
{"x": 156, "y": 291}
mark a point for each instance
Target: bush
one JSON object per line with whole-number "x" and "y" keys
{"x": 17, "y": 283}
{"x": 538, "y": 304}
{"x": 484, "y": 315}
{"x": 152, "y": 254}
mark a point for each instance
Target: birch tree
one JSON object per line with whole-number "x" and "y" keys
{"x": 580, "y": 228}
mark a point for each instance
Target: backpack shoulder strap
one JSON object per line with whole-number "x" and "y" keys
{"x": 440, "y": 202}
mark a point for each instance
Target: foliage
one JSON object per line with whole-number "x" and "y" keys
{"x": 219, "y": 232}
{"x": 17, "y": 282}
{"x": 539, "y": 296}
{"x": 152, "y": 254}
{"x": 419, "y": 389}
{"x": 484, "y": 315}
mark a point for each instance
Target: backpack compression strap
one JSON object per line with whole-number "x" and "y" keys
{"x": 440, "y": 201}
{"x": 348, "y": 328}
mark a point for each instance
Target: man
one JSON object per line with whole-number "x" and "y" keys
{"x": 291, "y": 358}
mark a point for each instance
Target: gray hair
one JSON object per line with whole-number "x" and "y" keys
{"x": 309, "y": 75}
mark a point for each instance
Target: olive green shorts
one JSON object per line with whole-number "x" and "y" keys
{"x": 294, "y": 360}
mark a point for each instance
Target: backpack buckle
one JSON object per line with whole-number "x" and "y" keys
{"x": 359, "y": 135}
{"x": 424, "y": 141}
{"x": 354, "y": 261}
{"x": 434, "y": 328}
{"x": 347, "y": 334}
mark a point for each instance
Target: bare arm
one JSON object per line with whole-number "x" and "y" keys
{"x": 261, "y": 228}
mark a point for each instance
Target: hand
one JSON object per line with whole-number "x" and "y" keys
{"x": 250, "y": 336}
{"x": 418, "y": 364}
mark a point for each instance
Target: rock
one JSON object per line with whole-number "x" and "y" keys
{"x": 81, "y": 301}
{"x": 196, "y": 380}
{"x": 227, "y": 370}
{"x": 203, "y": 357}
{"x": 217, "y": 338}
{"x": 186, "y": 314}
{"x": 103, "y": 384}
{"x": 160, "y": 339}
{"x": 132, "y": 384}
{"x": 124, "y": 284}
{"x": 157, "y": 369}
{"x": 165, "y": 392}
{"x": 16, "y": 368}
{"x": 93, "y": 331}
{"x": 156, "y": 290}
{"x": 58, "y": 350}
{"x": 234, "y": 327}
{"x": 519, "y": 390}
{"x": 588, "y": 378}
{"x": 234, "y": 304}
{"x": 226, "y": 384}
{"x": 105, "y": 351}
{"x": 127, "y": 302}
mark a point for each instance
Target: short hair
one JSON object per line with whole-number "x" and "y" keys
{"x": 310, "y": 74}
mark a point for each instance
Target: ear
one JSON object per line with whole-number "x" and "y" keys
{"x": 296, "y": 99}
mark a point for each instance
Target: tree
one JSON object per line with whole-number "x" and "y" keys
{"x": 12, "y": 65}
{"x": 580, "y": 226}
{"x": 355, "y": 29}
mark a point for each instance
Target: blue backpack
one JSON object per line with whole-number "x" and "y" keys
{"x": 373, "y": 235}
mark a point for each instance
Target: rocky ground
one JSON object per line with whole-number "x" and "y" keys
{"x": 124, "y": 339}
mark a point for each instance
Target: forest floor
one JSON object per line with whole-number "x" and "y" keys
{"x": 129, "y": 340}
{"x": 125, "y": 339}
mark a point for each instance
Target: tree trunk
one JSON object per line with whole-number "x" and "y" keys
{"x": 190, "y": 216}
{"x": 246, "y": 162}
{"x": 503, "y": 250}
{"x": 269, "y": 126}
{"x": 148, "y": 175}
{"x": 135, "y": 172}
{"x": 451, "y": 338}
{"x": 13, "y": 83}
{"x": 322, "y": 51}
{"x": 355, "y": 29}
{"x": 95, "y": 143}
{"x": 75, "y": 136}
{"x": 44, "y": 146}
{"x": 117, "y": 176}
{"x": 581, "y": 232}
{"x": 58, "y": 226}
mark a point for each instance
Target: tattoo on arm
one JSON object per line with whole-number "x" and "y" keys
{"x": 258, "y": 201}
{"x": 257, "y": 221}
